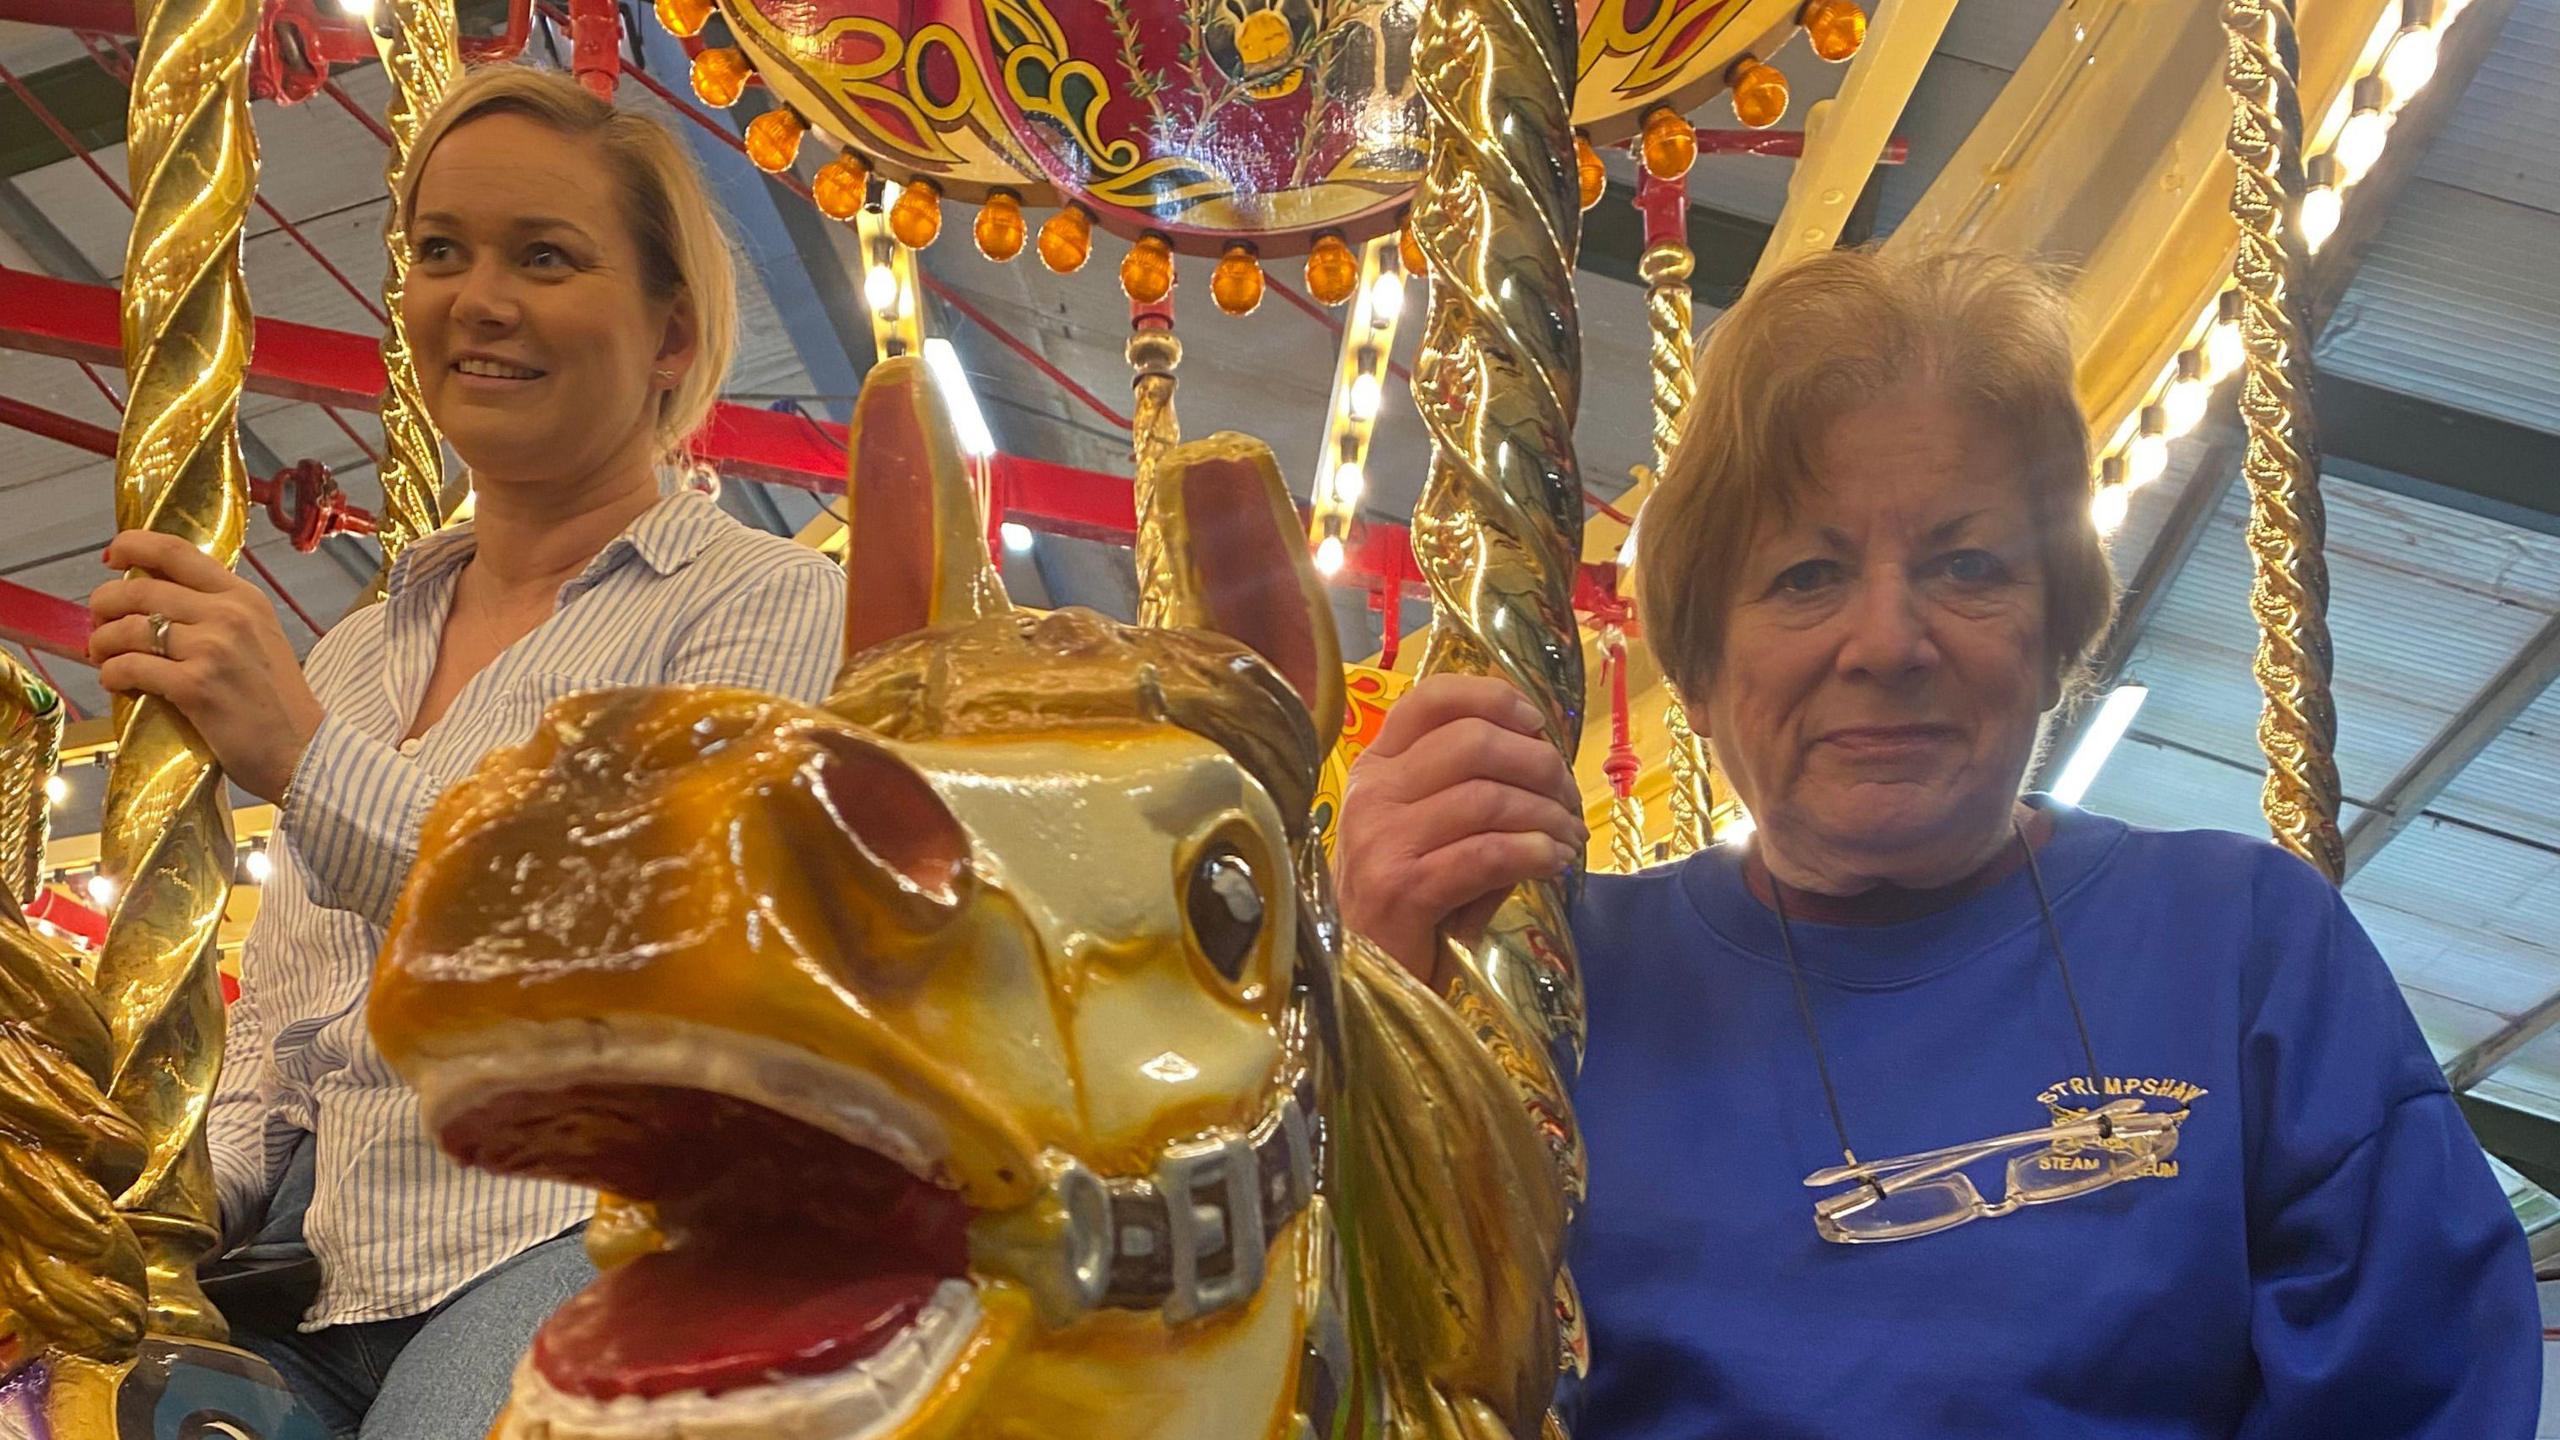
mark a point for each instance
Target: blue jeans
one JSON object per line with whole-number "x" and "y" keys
{"x": 442, "y": 1375}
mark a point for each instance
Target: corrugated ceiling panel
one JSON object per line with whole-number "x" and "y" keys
{"x": 2497, "y": 903}
{"x": 2514, "y": 785}
{"x": 1997, "y": 33}
{"x": 1949, "y": 101}
{"x": 2500, "y": 139}
{"x": 2411, "y": 646}
{"x": 2534, "y": 1073}
{"x": 2459, "y": 302}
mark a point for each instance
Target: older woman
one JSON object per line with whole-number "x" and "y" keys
{"x": 1935, "y": 1111}
{"x": 571, "y": 311}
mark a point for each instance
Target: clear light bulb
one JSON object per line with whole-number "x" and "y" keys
{"x": 1386, "y": 300}
{"x": 1347, "y": 483}
{"x": 2184, "y": 405}
{"x": 2224, "y": 351}
{"x": 1366, "y": 395}
{"x": 1017, "y": 537}
{"x": 2360, "y": 143}
{"x": 2145, "y": 460}
{"x": 1329, "y": 556}
{"x": 2322, "y": 207}
{"x": 880, "y": 288}
{"x": 261, "y": 865}
{"x": 102, "y": 890}
{"x": 56, "y": 790}
{"x": 2409, "y": 64}
{"x": 2107, "y": 508}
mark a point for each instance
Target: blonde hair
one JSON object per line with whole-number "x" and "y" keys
{"x": 1816, "y": 340}
{"x": 684, "y": 256}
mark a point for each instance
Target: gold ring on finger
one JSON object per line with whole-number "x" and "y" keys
{"x": 159, "y": 634}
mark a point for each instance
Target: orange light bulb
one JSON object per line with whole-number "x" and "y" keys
{"x": 1588, "y": 169}
{"x": 773, "y": 140}
{"x": 841, "y": 185}
{"x": 720, "y": 76}
{"x": 1759, "y": 92}
{"x": 1237, "y": 282}
{"x": 1670, "y": 144}
{"x": 917, "y": 217}
{"x": 1000, "y": 230}
{"x": 1066, "y": 240}
{"x": 1835, "y": 28}
{"x": 1409, "y": 249}
{"x": 1333, "y": 272}
{"x": 684, "y": 19}
{"x": 1146, "y": 272}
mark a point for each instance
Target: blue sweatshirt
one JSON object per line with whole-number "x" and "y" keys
{"x": 2325, "y": 1255}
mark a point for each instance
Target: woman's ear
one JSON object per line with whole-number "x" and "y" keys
{"x": 677, "y": 345}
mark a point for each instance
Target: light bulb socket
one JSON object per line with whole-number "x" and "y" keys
{"x": 2320, "y": 172}
{"x": 2371, "y": 94}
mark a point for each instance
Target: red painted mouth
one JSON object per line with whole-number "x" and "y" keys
{"x": 790, "y": 1251}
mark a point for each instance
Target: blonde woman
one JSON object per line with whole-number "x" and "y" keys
{"x": 570, "y": 304}
{"x": 1937, "y": 1112}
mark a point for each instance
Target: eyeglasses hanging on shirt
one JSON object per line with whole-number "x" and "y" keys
{"x": 1913, "y": 1195}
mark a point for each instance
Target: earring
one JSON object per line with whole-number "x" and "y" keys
{"x": 667, "y": 375}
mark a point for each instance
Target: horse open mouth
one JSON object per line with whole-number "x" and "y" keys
{"x": 806, "y": 1284}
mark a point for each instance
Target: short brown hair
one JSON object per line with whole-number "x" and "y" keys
{"x": 683, "y": 254}
{"x": 1816, "y": 339}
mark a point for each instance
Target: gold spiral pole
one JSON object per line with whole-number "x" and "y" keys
{"x": 1497, "y": 531}
{"x": 423, "y": 57}
{"x": 1666, "y": 267}
{"x": 30, "y": 749}
{"x": 1154, "y": 353}
{"x": 167, "y": 830}
{"x": 1692, "y": 796}
{"x": 2298, "y": 727}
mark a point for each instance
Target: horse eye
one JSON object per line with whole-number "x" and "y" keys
{"x": 1225, "y": 908}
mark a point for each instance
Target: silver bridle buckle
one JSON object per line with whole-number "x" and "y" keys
{"x": 1197, "y": 1227}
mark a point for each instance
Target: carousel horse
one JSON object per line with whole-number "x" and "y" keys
{"x": 977, "y": 1056}
{"x": 77, "y": 1360}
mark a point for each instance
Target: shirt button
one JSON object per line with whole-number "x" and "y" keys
{"x": 409, "y": 746}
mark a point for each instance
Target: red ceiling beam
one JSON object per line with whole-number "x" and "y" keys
{"x": 44, "y": 622}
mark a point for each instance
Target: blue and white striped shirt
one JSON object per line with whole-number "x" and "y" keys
{"x": 685, "y": 595}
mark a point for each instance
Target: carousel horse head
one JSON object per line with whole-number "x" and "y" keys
{"x": 954, "y": 1057}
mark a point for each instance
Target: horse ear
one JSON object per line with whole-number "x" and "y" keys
{"x": 915, "y": 545}
{"x": 1238, "y": 557}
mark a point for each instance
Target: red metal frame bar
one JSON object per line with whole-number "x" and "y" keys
{"x": 53, "y": 425}
{"x": 44, "y": 622}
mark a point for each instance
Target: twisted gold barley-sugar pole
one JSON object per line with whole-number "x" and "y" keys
{"x": 1666, "y": 267}
{"x": 1154, "y": 353}
{"x": 31, "y": 715}
{"x": 2289, "y": 595}
{"x": 1497, "y": 532}
{"x": 167, "y": 831}
{"x": 422, "y": 55}
{"x": 1692, "y": 802}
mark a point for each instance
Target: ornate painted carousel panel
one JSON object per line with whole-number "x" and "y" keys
{"x": 978, "y": 1055}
